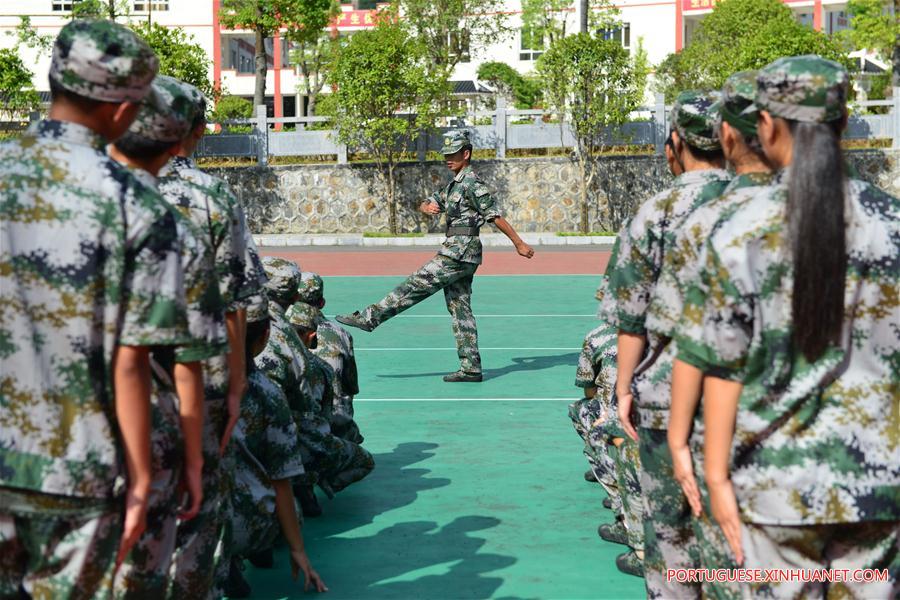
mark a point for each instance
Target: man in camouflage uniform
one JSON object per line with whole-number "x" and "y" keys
{"x": 164, "y": 118}
{"x": 90, "y": 280}
{"x": 338, "y": 462}
{"x": 743, "y": 152}
{"x": 814, "y": 479}
{"x": 216, "y": 214}
{"x": 643, "y": 378}
{"x": 267, "y": 456}
{"x": 469, "y": 205}
{"x": 335, "y": 347}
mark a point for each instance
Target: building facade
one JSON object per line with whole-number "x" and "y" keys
{"x": 660, "y": 26}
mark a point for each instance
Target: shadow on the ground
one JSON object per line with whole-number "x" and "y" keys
{"x": 519, "y": 363}
{"x": 413, "y": 559}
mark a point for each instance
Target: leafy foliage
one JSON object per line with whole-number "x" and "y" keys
{"x": 377, "y": 74}
{"x": 524, "y": 91}
{"x": 740, "y": 35}
{"x": 231, "y": 107}
{"x": 179, "y": 55}
{"x": 549, "y": 20}
{"x": 595, "y": 85}
{"x": 100, "y": 9}
{"x": 872, "y": 27}
{"x": 316, "y": 48}
{"x": 17, "y": 96}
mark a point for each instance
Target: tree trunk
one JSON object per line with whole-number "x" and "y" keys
{"x": 259, "y": 94}
{"x": 582, "y": 164}
{"x": 585, "y": 7}
{"x": 391, "y": 194}
{"x": 311, "y": 107}
{"x": 896, "y": 57}
{"x": 112, "y": 10}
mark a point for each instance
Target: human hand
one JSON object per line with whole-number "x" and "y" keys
{"x": 430, "y": 208}
{"x": 524, "y": 250}
{"x": 624, "y": 409}
{"x": 191, "y": 482}
{"x": 235, "y": 394}
{"x": 311, "y": 579}
{"x": 137, "y": 499}
{"x": 725, "y": 511}
{"x": 683, "y": 468}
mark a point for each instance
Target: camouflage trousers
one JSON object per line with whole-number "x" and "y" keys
{"x": 627, "y": 471}
{"x": 440, "y": 273}
{"x": 336, "y": 462}
{"x": 668, "y": 532}
{"x": 193, "y": 562}
{"x": 145, "y": 573}
{"x": 343, "y": 425}
{"x": 583, "y": 414}
{"x": 851, "y": 546}
{"x": 56, "y": 547}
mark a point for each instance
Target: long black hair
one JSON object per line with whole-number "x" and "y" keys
{"x": 816, "y": 194}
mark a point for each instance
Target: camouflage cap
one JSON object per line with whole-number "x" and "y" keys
{"x": 738, "y": 106}
{"x": 303, "y": 315}
{"x": 102, "y": 60}
{"x": 258, "y": 307}
{"x": 803, "y": 88}
{"x": 695, "y": 117}
{"x": 167, "y": 113}
{"x": 311, "y": 288}
{"x": 455, "y": 140}
{"x": 284, "y": 277}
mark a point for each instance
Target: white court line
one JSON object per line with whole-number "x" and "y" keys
{"x": 454, "y": 348}
{"x": 463, "y": 400}
{"x": 594, "y": 315}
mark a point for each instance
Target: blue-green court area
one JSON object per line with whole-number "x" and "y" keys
{"x": 478, "y": 489}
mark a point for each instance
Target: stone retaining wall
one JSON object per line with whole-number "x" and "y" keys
{"x": 535, "y": 194}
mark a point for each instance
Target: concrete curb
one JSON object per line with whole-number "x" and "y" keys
{"x": 489, "y": 240}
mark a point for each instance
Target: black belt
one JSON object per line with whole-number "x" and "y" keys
{"x": 463, "y": 231}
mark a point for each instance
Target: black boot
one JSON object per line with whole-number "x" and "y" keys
{"x": 308, "y": 501}
{"x": 630, "y": 563}
{"x": 462, "y": 376}
{"x": 236, "y": 586}
{"x": 262, "y": 560}
{"x": 607, "y": 503}
{"x": 613, "y": 532}
{"x": 589, "y": 476}
{"x": 354, "y": 320}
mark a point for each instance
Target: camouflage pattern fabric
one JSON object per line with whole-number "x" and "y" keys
{"x": 668, "y": 534}
{"x": 311, "y": 289}
{"x": 168, "y": 113}
{"x": 454, "y": 141}
{"x": 600, "y": 456}
{"x": 468, "y": 202}
{"x": 798, "y": 460}
{"x": 803, "y": 88}
{"x": 285, "y": 364}
{"x": 845, "y": 546}
{"x": 633, "y": 272}
{"x": 284, "y": 279}
{"x": 267, "y": 448}
{"x": 336, "y": 349}
{"x": 103, "y": 61}
{"x": 77, "y": 230}
{"x": 57, "y": 547}
{"x": 695, "y": 116}
{"x": 738, "y": 106}
{"x": 440, "y": 273}
{"x": 628, "y": 479}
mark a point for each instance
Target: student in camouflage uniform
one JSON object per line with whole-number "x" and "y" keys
{"x": 801, "y": 371}
{"x": 337, "y": 462}
{"x": 267, "y": 455}
{"x": 695, "y": 158}
{"x": 90, "y": 280}
{"x": 335, "y": 347}
{"x": 469, "y": 205}
{"x": 164, "y": 118}
{"x": 743, "y": 152}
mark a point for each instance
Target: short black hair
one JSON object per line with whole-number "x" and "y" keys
{"x": 706, "y": 155}
{"x": 469, "y": 148}
{"x": 83, "y": 103}
{"x": 137, "y": 147}
{"x": 255, "y": 331}
{"x": 200, "y": 119}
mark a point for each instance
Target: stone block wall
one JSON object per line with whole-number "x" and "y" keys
{"x": 535, "y": 194}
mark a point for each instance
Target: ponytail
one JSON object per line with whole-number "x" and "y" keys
{"x": 816, "y": 194}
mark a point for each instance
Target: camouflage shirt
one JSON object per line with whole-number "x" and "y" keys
{"x": 89, "y": 259}
{"x": 268, "y": 446}
{"x": 634, "y": 270}
{"x": 598, "y": 348}
{"x": 336, "y": 349}
{"x": 468, "y": 203}
{"x": 321, "y": 380}
{"x": 814, "y": 443}
{"x": 287, "y": 369}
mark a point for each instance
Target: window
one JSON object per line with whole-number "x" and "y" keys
{"x": 532, "y": 44}
{"x": 621, "y": 33}
{"x": 459, "y": 45}
{"x": 61, "y": 6}
{"x": 151, "y": 5}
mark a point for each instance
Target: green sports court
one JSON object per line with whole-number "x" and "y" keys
{"x": 478, "y": 488}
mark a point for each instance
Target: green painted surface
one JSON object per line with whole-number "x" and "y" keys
{"x": 470, "y": 498}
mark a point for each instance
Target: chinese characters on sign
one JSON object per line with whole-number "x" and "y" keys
{"x": 355, "y": 18}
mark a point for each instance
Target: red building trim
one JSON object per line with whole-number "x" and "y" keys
{"x": 679, "y": 27}
{"x": 276, "y": 62}
{"x": 818, "y": 15}
{"x": 217, "y": 46}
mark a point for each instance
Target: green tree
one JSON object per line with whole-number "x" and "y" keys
{"x": 545, "y": 21}
{"x": 267, "y": 17}
{"x": 525, "y": 92}
{"x": 377, "y": 74}
{"x": 740, "y": 35}
{"x": 27, "y": 35}
{"x": 315, "y": 48}
{"x": 100, "y": 9}
{"x": 231, "y": 107}
{"x": 594, "y": 85}
{"x": 17, "y": 95}
{"x": 179, "y": 55}
{"x": 450, "y": 28}
{"x": 872, "y": 27}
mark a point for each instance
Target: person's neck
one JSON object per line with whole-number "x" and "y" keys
{"x": 692, "y": 164}
{"x": 60, "y": 111}
{"x": 751, "y": 166}
{"x": 151, "y": 166}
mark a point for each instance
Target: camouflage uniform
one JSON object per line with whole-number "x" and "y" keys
{"x": 89, "y": 259}
{"x": 209, "y": 203}
{"x": 145, "y": 574}
{"x": 335, "y": 348}
{"x": 681, "y": 266}
{"x": 814, "y": 486}
{"x": 469, "y": 205}
{"x": 633, "y": 272}
{"x": 338, "y": 462}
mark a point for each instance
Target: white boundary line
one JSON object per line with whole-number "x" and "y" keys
{"x": 464, "y": 400}
{"x": 358, "y": 349}
{"x": 492, "y": 316}
{"x": 480, "y": 275}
